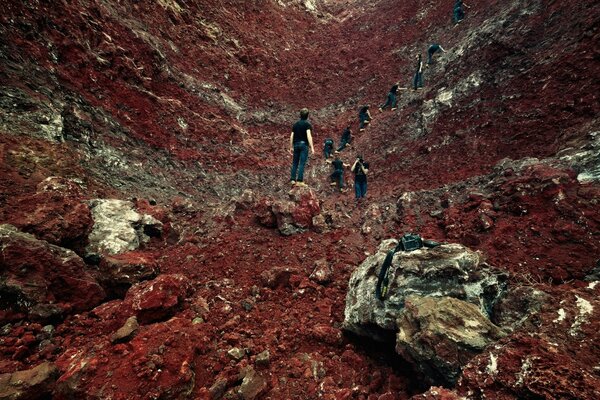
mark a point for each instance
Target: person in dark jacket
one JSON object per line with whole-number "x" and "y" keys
{"x": 337, "y": 177}
{"x": 345, "y": 140}
{"x": 458, "y": 11}
{"x": 418, "y": 80}
{"x": 392, "y": 99}
{"x": 300, "y": 141}
{"x": 328, "y": 148}
{"x": 364, "y": 117}
{"x": 434, "y": 48}
{"x": 360, "y": 169}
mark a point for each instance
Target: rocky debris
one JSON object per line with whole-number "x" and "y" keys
{"x": 119, "y": 228}
{"x": 32, "y": 384}
{"x": 585, "y": 158}
{"x": 55, "y": 213}
{"x": 438, "y": 393}
{"x": 253, "y": 384}
{"x": 276, "y": 277}
{"x": 236, "y": 353}
{"x": 291, "y": 216}
{"x": 450, "y": 270}
{"x": 439, "y": 335}
{"x": 263, "y": 359}
{"x": 126, "y": 332}
{"x": 326, "y": 334}
{"x": 118, "y": 272}
{"x": 158, "y": 299}
{"x": 323, "y": 273}
{"x": 156, "y": 363}
{"x": 43, "y": 280}
{"x": 518, "y": 305}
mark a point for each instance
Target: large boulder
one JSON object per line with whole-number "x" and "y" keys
{"x": 439, "y": 335}
{"x": 33, "y": 384}
{"x": 118, "y": 228}
{"x": 292, "y": 215}
{"x": 450, "y": 270}
{"x": 42, "y": 280}
{"x": 55, "y": 213}
{"x": 119, "y": 272}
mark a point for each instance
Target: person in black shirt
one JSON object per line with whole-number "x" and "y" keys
{"x": 337, "y": 177}
{"x": 360, "y": 169}
{"x": 391, "y": 98}
{"x": 458, "y": 12}
{"x": 364, "y": 117}
{"x": 345, "y": 140}
{"x": 300, "y": 140}
{"x": 418, "y": 81}
{"x": 434, "y": 48}
{"x": 328, "y": 148}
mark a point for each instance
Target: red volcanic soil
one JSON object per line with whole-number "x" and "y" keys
{"x": 186, "y": 110}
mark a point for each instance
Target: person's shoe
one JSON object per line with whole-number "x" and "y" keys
{"x": 380, "y": 109}
{"x": 394, "y": 108}
{"x": 300, "y": 183}
{"x": 292, "y": 183}
{"x": 361, "y": 130}
{"x": 332, "y": 184}
{"x": 343, "y": 190}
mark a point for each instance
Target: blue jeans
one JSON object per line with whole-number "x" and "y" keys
{"x": 327, "y": 151}
{"x": 459, "y": 14}
{"x": 363, "y": 118}
{"x": 338, "y": 175}
{"x": 418, "y": 81}
{"x": 391, "y": 101}
{"x": 300, "y": 157}
{"x": 429, "y": 56}
{"x": 360, "y": 189}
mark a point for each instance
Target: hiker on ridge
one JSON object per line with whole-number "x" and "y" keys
{"x": 360, "y": 169}
{"x": 364, "y": 117}
{"x": 434, "y": 48}
{"x": 300, "y": 140}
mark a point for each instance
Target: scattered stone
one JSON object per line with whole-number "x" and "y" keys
{"x": 32, "y": 384}
{"x": 439, "y": 335}
{"x": 438, "y": 393}
{"x": 263, "y": 359}
{"x": 248, "y": 304}
{"x": 126, "y": 332}
{"x": 292, "y": 216}
{"x": 236, "y": 353}
{"x": 518, "y": 306}
{"x": 323, "y": 273}
{"x": 276, "y": 277}
{"x": 252, "y": 385}
{"x": 327, "y": 334}
{"x": 198, "y": 320}
{"x": 119, "y": 272}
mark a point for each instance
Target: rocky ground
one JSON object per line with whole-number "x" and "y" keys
{"x": 153, "y": 249}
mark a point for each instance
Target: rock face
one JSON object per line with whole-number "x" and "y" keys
{"x": 117, "y": 273}
{"x": 439, "y": 335}
{"x": 42, "y": 280}
{"x": 450, "y": 270}
{"x": 33, "y": 384}
{"x": 118, "y": 227}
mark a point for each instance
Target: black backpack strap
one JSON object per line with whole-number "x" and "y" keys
{"x": 383, "y": 280}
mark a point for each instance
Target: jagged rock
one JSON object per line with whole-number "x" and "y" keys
{"x": 276, "y": 277}
{"x": 517, "y": 306}
{"x": 32, "y": 384}
{"x": 125, "y": 332}
{"x": 158, "y": 299}
{"x": 291, "y": 216}
{"x": 236, "y": 353}
{"x": 118, "y": 227}
{"x": 156, "y": 363}
{"x": 55, "y": 213}
{"x": 438, "y": 393}
{"x": 323, "y": 273}
{"x": 117, "y": 273}
{"x": 557, "y": 359}
{"x": 40, "y": 279}
{"x": 327, "y": 334}
{"x": 449, "y": 270}
{"x": 252, "y": 385}
{"x": 439, "y": 335}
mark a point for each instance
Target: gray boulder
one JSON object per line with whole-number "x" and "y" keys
{"x": 32, "y": 384}
{"x": 450, "y": 270}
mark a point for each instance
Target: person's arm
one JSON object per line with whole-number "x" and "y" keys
{"x": 365, "y": 170}
{"x": 291, "y": 150}
{"x": 310, "y": 142}
{"x": 465, "y": 4}
{"x": 442, "y": 49}
{"x": 369, "y": 114}
{"x": 420, "y": 66}
{"x": 354, "y": 165}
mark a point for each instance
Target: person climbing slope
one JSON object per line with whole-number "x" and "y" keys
{"x": 328, "y": 148}
{"x": 459, "y": 12}
{"x": 360, "y": 169}
{"x": 364, "y": 117}
{"x": 337, "y": 177}
{"x": 300, "y": 140}
{"x": 345, "y": 140}
{"x": 418, "y": 80}
{"x": 434, "y": 48}
{"x": 392, "y": 99}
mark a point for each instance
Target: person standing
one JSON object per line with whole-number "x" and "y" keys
{"x": 418, "y": 81}
{"x": 364, "y": 117}
{"x": 392, "y": 99}
{"x": 360, "y": 169}
{"x": 300, "y": 141}
{"x": 434, "y": 48}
